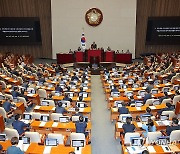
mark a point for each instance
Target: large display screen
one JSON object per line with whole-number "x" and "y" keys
{"x": 163, "y": 30}
{"x": 20, "y": 30}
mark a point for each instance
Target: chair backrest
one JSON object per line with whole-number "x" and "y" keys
{"x": 176, "y": 87}
{"x": 56, "y": 116}
{"x": 59, "y": 137}
{"x": 170, "y": 113}
{"x": 50, "y": 102}
{"x": 11, "y": 133}
{"x": 3, "y": 84}
{"x": 8, "y": 96}
{"x": 175, "y": 135}
{"x": 77, "y": 136}
{"x": 42, "y": 93}
{"x": 36, "y": 115}
{"x": 149, "y": 101}
{"x": 3, "y": 112}
{"x": 20, "y": 80}
{"x": 34, "y": 137}
{"x": 152, "y": 137}
{"x": 23, "y": 100}
{"x": 141, "y": 91}
{"x": 128, "y": 136}
{"x": 176, "y": 99}
{"x": 166, "y": 101}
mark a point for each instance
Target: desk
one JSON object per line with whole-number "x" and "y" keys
{"x": 123, "y": 58}
{"x": 94, "y": 53}
{"x": 109, "y": 56}
{"x": 2, "y": 126}
{"x": 63, "y": 58}
{"x": 79, "y": 56}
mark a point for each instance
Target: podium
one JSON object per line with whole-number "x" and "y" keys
{"x": 123, "y": 58}
{"x": 63, "y": 58}
{"x": 94, "y": 53}
{"x": 109, "y": 56}
{"x": 79, "y": 56}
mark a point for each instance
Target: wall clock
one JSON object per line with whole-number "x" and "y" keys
{"x": 94, "y": 17}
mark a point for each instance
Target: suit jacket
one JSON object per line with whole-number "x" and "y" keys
{"x": 14, "y": 150}
{"x": 81, "y": 127}
{"x": 15, "y": 94}
{"x": 169, "y": 129}
{"x": 58, "y": 89}
{"x": 123, "y": 110}
{"x": 7, "y": 106}
{"x": 146, "y": 97}
{"x": 60, "y": 110}
{"x": 19, "y": 126}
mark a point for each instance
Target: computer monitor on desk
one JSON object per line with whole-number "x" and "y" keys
{"x": 45, "y": 118}
{"x": 44, "y": 103}
{"x": 124, "y": 118}
{"x": 2, "y": 137}
{"x": 164, "y": 117}
{"x": 27, "y": 116}
{"x": 136, "y": 141}
{"x": 139, "y": 103}
{"x": 50, "y": 142}
{"x": 144, "y": 118}
{"x": 77, "y": 143}
{"x": 64, "y": 119}
{"x": 26, "y": 140}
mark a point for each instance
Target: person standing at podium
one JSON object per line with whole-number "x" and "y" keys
{"x": 94, "y": 46}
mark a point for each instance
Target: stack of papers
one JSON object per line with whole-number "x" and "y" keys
{"x": 55, "y": 124}
{"x": 37, "y": 107}
{"x": 152, "y": 107}
{"x": 42, "y": 124}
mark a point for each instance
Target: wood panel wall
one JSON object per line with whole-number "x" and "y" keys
{"x": 30, "y": 8}
{"x": 149, "y": 8}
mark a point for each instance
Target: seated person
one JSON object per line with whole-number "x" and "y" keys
{"x": 15, "y": 93}
{"x": 164, "y": 97}
{"x": 19, "y": 125}
{"x": 60, "y": 109}
{"x": 174, "y": 126}
{"x": 77, "y": 113}
{"x": 49, "y": 97}
{"x": 58, "y": 88}
{"x": 169, "y": 107}
{"x": 93, "y": 45}
{"x": 123, "y": 109}
{"x": 147, "y": 96}
{"x": 114, "y": 89}
{"x": 23, "y": 95}
{"x": 81, "y": 126}
{"x": 150, "y": 86}
{"x": 67, "y": 98}
{"x": 148, "y": 112}
{"x": 149, "y": 127}
{"x": 14, "y": 149}
{"x": 74, "y": 77}
{"x": 128, "y": 127}
{"x": 7, "y": 105}
{"x": 132, "y": 101}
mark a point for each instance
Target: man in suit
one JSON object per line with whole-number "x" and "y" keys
{"x": 115, "y": 89}
{"x": 14, "y": 149}
{"x": 123, "y": 109}
{"x": 81, "y": 126}
{"x": 174, "y": 126}
{"x": 7, "y": 105}
{"x": 19, "y": 125}
{"x": 67, "y": 98}
{"x": 60, "y": 109}
{"x": 169, "y": 107}
{"x": 164, "y": 97}
{"x": 94, "y": 46}
{"x": 147, "y": 96}
{"x": 15, "y": 93}
{"x": 128, "y": 127}
{"x": 58, "y": 88}
{"x": 150, "y": 86}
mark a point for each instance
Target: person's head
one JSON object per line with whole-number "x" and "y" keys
{"x": 66, "y": 95}
{"x": 15, "y": 88}
{"x": 76, "y": 109}
{"x": 14, "y": 141}
{"x": 175, "y": 121}
{"x": 17, "y": 117}
{"x": 60, "y": 104}
{"x": 81, "y": 88}
{"x": 168, "y": 104}
{"x": 80, "y": 98}
{"x": 165, "y": 93}
{"x": 128, "y": 120}
{"x": 50, "y": 96}
{"x": 145, "y": 152}
{"x": 148, "y": 110}
{"x": 81, "y": 119}
{"x": 150, "y": 122}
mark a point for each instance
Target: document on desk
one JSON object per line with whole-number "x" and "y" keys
{"x": 110, "y": 98}
{"x": 30, "y": 95}
{"x": 135, "y": 149}
{"x": 81, "y": 109}
{"x": 167, "y": 122}
{"x": 138, "y": 108}
{"x": 139, "y": 124}
{"x": 139, "y": 97}
{"x": 55, "y": 124}
{"x": 42, "y": 124}
{"x": 37, "y": 107}
{"x": 47, "y": 150}
{"x": 120, "y": 124}
{"x": 169, "y": 93}
{"x": 151, "y": 149}
{"x": 152, "y": 107}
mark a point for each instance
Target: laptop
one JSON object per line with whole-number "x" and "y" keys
{"x": 136, "y": 141}
{"x": 63, "y": 119}
{"x": 142, "y": 93}
{"x": 144, "y": 118}
{"x": 146, "y": 84}
{"x": 156, "y": 102}
{"x": 26, "y": 140}
{"x": 27, "y": 116}
{"x": 166, "y": 89}
{"x": 44, "y": 103}
{"x": 81, "y": 105}
{"x": 50, "y": 142}
{"x": 2, "y": 137}
{"x": 164, "y": 117}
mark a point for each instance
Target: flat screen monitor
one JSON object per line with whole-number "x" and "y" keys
{"x": 163, "y": 140}
{"x": 118, "y": 104}
{"x": 57, "y": 93}
{"x": 146, "y": 84}
{"x": 2, "y": 137}
{"x": 176, "y": 87}
{"x": 50, "y": 142}
{"x": 156, "y": 102}
{"x": 85, "y": 95}
{"x": 154, "y": 91}
{"x": 142, "y": 93}
{"x": 63, "y": 119}
{"x": 27, "y": 116}
{"x": 139, "y": 103}
{"x": 45, "y": 118}
{"x": 44, "y": 103}
{"x": 31, "y": 91}
{"x": 77, "y": 143}
{"x": 129, "y": 94}
{"x": 2, "y": 97}
{"x": 81, "y": 105}
{"x": 166, "y": 89}
{"x": 115, "y": 94}
{"x": 26, "y": 140}
{"x": 20, "y": 31}
{"x": 136, "y": 141}
{"x": 164, "y": 117}
{"x": 144, "y": 118}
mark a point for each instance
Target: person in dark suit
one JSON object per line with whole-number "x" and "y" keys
{"x": 7, "y": 105}
{"x": 19, "y": 125}
{"x": 93, "y": 45}
{"x": 115, "y": 89}
{"x": 15, "y": 93}
{"x": 148, "y": 112}
{"x": 150, "y": 86}
{"x": 60, "y": 109}
{"x": 169, "y": 107}
{"x": 67, "y": 98}
{"x": 58, "y": 88}
{"x": 147, "y": 96}
{"x": 164, "y": 97}
{"x": 128, "y": 127}
{"x": 14, "y": 149}
{"x": 174, "y": 126}
{"x": 81, "y": 126}
{"x": 123, "y": 109}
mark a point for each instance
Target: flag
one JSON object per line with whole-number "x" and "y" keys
{"x": 83, "y": 41}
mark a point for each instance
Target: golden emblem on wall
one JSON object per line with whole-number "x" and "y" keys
{"x": 94, "y": 17}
